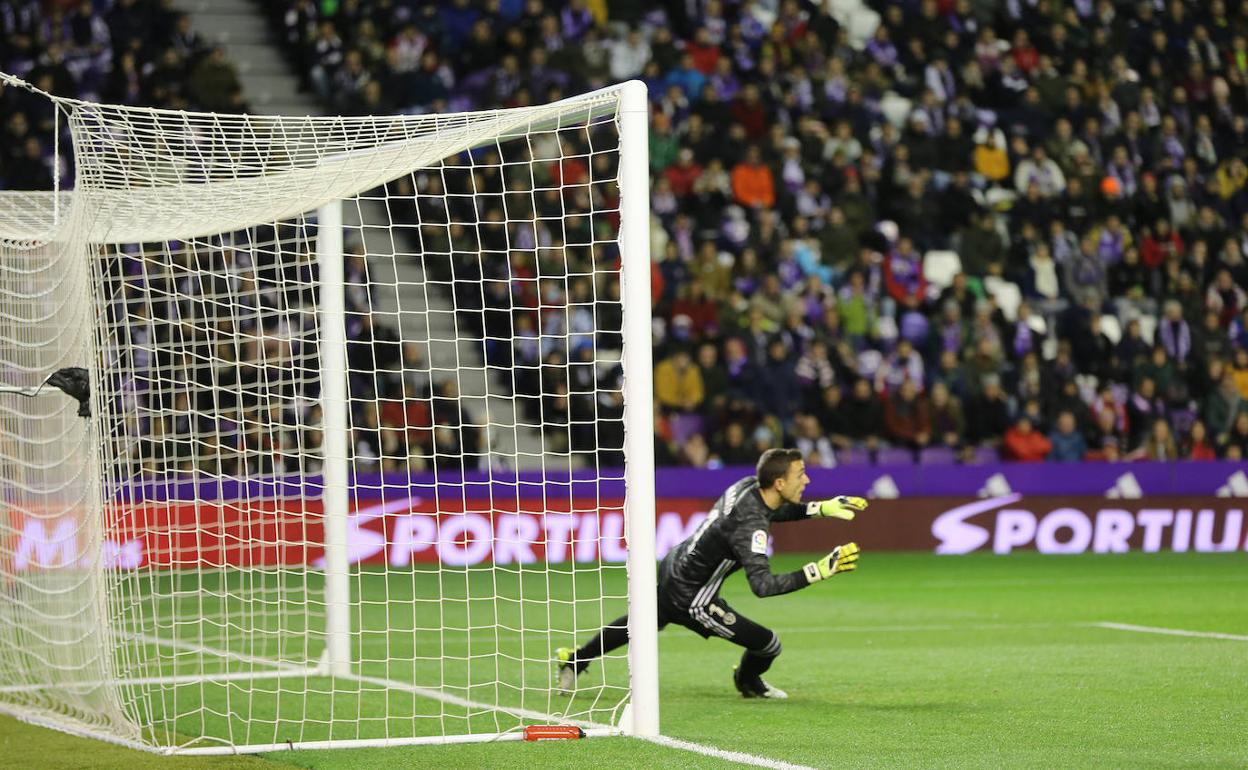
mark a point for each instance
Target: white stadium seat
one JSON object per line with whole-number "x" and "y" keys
{"x": 1111, "y": 328}
{"x": 940, "y": 267}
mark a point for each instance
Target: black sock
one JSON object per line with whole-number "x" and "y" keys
{"x": 613, "y": 636}
{"x": 755, "y": 662}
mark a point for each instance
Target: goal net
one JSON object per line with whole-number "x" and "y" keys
{"x": 366, "y": 444}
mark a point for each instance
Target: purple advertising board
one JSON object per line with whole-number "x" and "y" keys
{"x": 1113, "y": 480}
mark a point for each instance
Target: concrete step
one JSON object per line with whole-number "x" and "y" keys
{"x": 276, "y": 106}
{"x": 269, "y": 87}
{"x": 220, "y": 6}
{"x": 230, "y": 28}
{"x": 258, "y": 58}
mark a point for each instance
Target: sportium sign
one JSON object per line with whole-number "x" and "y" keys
{"x": 399, "y": 532}
{"x": 1051, "y": 525}
{"x": 411, "y": 530}
{"x": 1007, "y": 523}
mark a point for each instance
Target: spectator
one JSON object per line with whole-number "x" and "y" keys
{"x": 678, "y": 383}
{"x": 629, "y": 56}
{"x": 1175, "y": 334}
{"x": 1024, "y": 443}
{"x": 1158, "y": 443}
{"x": 1067, "y": 440}
{"x": 1042, "y": 171}
{"x": 989, "y": 414}
{"x": 906, "y": 417}
{"x": 1197, "y": 446}
{"x": 1222, "y": 406}
{"x": 948, "y": 424}
{"x": 1143, "y": 410}
{"x": 1234, "y": 445}
{"x": 812, "y": 443}
{"x": 991, "y": 161}
{"x": 732, "y": 448}
{"x": 903, "y": 275}
{"x": 752, "y": 182}
{"x": 782, "y": 393}
{"x": 864, "y": 423}
{"x": 214, "y": 81}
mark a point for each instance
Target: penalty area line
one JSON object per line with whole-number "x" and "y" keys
{"x": 1170, "y": 631}
{"x": 732, "y": 756}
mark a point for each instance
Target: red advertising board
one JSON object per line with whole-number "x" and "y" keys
{"x": 398, "y": 532}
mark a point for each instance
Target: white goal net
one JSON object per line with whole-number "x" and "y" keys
{"x": 363, "y": 420}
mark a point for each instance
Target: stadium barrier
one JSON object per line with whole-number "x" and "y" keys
{"x": 477, "y": 519}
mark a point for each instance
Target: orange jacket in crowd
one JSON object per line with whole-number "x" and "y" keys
{"x": 752, "y": 185}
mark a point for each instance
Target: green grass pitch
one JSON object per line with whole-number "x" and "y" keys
{"x": 913, "y": 661}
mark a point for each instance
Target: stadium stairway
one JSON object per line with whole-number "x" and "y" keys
{"x": 424, "y": 311}
{"x": 241, "y": 28}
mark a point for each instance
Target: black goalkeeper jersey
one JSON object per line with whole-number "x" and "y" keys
{"x": 735, "y": 534}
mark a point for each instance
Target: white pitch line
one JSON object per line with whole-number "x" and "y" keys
{"x": 238, "y": 657}
{"x": 731, "y": 756}
{"x": 1170, "y": 631}
{"x": 426, "y": 692}
{"x": 455, "y": 700}
{"x": 917, "y": 627}
{"x": 172, "y": 680}
{"x": 286, "y": 668}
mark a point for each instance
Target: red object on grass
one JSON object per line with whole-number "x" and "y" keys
{"x": 552, "y": 732}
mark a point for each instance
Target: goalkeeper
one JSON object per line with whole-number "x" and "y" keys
{"x": 734, "y": 535}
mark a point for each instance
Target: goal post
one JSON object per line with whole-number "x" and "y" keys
{"x": 638, "y": 395}
{"x": 371, "y": 428}
{"x": 335, "y": 468}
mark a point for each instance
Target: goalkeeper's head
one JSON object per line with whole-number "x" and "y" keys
{"x": 782, "y": 476}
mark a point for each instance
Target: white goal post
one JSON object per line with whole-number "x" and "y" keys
{"x": 371, "y": 427}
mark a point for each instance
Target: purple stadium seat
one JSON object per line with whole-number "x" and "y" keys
{"x": 895, "y": 456}
{"x": 985, "y": 455}
{"x": 685, "y": 426}
{"x": 938, "y": 455}
{"x": 853, "y": 456}
{"x": 1181, "y": 420}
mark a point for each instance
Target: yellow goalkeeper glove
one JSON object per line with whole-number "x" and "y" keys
{"x": 843, "y": 507}
{"x": 844, "y": 558}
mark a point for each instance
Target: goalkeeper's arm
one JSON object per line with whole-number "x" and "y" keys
{"x": 844, "y": 558}
{"x": 839, "y": 507}
{"x": 751, "y": 550}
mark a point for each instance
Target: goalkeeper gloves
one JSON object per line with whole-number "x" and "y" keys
{"x": 843, "y": 507}
{"x": 844, "y": 558}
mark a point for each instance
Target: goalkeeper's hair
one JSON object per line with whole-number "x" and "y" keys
{"x": 774, "y": 464}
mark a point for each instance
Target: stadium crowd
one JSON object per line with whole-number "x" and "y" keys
{"x": 1086, "y": 162}
{"x": 135, "y": 52}
{"x": 1095, "y": 200}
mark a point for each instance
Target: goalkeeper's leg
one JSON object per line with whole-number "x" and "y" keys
{"x": 613, "y": 636}
{"x": 761, "y": 644}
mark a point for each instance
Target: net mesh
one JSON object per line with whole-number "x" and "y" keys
{"x": 163, "y": 562}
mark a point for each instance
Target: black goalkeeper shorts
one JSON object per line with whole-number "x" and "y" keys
{"x": 717, "y": 618}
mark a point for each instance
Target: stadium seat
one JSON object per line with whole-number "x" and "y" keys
{"x": 940, "y": 267}
{"x": 938, "y": 455}
{"x": 896, "y": 108}
{"x": 862, "y": 24}
{"x": 889, "y": 229}
{"x": 1111, "y": 328}
{"x": 843, "y": 10}
{"x": 853, "y": 456}
{"x": 685, "y": 426}
{"x": 893, "y": 455}
{"x": 986, "y": 455}
{"x": 1006, "y": 293}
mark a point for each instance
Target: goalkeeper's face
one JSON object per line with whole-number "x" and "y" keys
{"x": 793, "y": 484}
